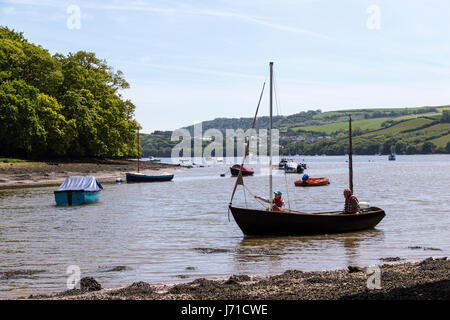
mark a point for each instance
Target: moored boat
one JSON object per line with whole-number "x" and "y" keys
{"x": 293, "y": 167}
{"x": 245, "y": 171}
{"x": 278, "y": 221}
{"x": 312, "y": 182}
{"x": 140, "y": 177}
{"x": 283, "y": 162}
{"x": 293, "y": 223}
{"x": 290, "y": 167}
{"x": 77, "y": 190}
{"x": 154, "y": 160}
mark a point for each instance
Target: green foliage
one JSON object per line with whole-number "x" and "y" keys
{"x": 61, "y": 105}
{"x": 445, "y": 116}
{"x": 428, "y": 147}
{"x": 157, "y": 144}
{"x": 405, "y": 134}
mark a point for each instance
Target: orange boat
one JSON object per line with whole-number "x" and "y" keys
{"x": 312, "y": 182}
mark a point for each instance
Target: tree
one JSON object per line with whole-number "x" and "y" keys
{"x": 59, "y": 133}
{"x": 400, "y": 147}
{"x": 428, "y": 147}
{"x": 61, "y": 105}
{"x": 20, "y": 130}
{"x": 411, "y": 149}
{"x": 445, "y": 116}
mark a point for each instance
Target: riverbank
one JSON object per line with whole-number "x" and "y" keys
{"x": 29, "y": 173}
{"x": 425, "y": 280}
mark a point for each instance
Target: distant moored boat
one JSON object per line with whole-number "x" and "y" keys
{"x": 294, "y": 167}
{"x": 245, "y": 171}
{"x": 154, "y": 160}
{"x": 140, "y": 177}
{"x": 312, "y": 182}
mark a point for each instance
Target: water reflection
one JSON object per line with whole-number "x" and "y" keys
{"x": 270, "y": 249}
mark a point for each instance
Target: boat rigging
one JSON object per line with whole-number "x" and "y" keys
{"x": 264, "y": 222}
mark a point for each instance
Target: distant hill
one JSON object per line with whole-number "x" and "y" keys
{"x": 402, "y": 130}
{"x": 314, "y": 120}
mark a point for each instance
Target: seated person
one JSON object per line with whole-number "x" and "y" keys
{"x": 351, "y": 203}
{"x": 277, "y": 201}
{"x": 305, "y": 178}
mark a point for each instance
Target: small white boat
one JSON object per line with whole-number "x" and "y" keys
{"x": 290, "y": 167}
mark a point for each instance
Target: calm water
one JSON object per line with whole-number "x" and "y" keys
{"x": 157, "y": 230}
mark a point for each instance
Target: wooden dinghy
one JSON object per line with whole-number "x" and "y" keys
{"x": 140, "y": 177}
{"x": 286, "y": 222}
{"x": 254, "y": 222}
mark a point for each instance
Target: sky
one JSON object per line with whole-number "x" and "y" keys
{"x": 191, "y": 61}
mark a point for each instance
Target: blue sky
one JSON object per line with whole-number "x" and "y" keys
{"x": 189, "y": 61}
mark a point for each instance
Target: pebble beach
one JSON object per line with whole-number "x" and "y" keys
{"x": 428, "y": 279}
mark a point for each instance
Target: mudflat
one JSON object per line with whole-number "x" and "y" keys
{"x": 424, "y": 280}
{"x": 29, "y": 173}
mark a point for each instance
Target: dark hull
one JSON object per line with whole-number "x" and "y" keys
{"x": 144, "y": 178}
{"x": 267, "y": 223}
{"x": 310, "y": 184}
{"x": 235, "y": 172}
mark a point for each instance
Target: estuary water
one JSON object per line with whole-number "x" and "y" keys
{"x": 177, "y": 231}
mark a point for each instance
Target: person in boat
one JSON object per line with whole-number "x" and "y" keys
{"x": 305, "y": 178}
{"x": 277, "y": 201}
{"x": 351, "y": 202}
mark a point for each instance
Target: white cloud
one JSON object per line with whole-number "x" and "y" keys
{"x": 181, "y": 10}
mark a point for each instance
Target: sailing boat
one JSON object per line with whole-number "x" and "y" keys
{"x": 290, "y": 222}
{"x": 140, "y": 177}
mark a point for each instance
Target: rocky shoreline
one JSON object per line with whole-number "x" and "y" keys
{"x": 27, "y": 173}
{"x": 424, "y": 280}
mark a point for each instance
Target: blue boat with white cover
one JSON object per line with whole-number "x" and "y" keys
{"x": 78, "y": 190}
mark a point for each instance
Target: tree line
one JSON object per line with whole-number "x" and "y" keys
{"x": 61, "y": 105}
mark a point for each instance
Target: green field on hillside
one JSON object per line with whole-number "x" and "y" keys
{"x": 442, "y": 141}
{"x": 366, "y": 124}
{"x": 405, "y": 130}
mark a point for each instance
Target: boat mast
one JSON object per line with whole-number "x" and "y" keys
{"x": 270, "y": 137}
{"x": 138, "y": 148}
{"x": 350, "y": 151}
